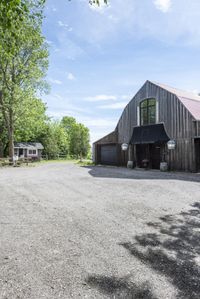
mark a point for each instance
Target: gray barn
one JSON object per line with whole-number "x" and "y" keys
{"x": 155, "y": 115}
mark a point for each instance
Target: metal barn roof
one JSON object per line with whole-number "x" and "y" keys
{"x": 190, "y": 100}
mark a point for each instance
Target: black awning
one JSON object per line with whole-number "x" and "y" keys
{"x": 149, "y": 134}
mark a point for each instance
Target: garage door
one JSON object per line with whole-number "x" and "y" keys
{"x": 109, "y": 154}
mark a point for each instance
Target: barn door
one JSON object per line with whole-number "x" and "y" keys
{"x": 151, "y": 152}
{"x": 197, "y": 154}
{"x": 142, "y": 153}
{"x": 109, "y": 154}
{"x": 155, "y": 156}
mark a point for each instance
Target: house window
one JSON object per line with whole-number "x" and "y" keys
{"x": 148, "y": 112}
{"x": 32, "y": 152}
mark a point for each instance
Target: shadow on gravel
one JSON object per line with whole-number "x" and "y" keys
{"x": 173, "y": 251}
{"x": 124, "y": 173}
{"x": 119, "y": 288}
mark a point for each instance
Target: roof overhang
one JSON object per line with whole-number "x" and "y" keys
{"x": 149, "y": 134}
{"x": 28, "y": 145}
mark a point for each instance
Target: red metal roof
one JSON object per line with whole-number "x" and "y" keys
{"x": 191, "y": 105}
{"x": 190, "y": 100}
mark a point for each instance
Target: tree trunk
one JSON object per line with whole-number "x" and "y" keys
{"x": 1, "y": 143}
{"x": 1, "y": 149}
{"x": 11, "y": 143}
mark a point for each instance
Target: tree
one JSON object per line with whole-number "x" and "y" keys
{"x": 80, "y": 141}
{"x": 23, "y": 58}
{"x": 3, "y": 136}
{"x": 30, "y": 126}
{"x": 79, "y": 137}
{"x": 68, "y": 122}
{"x": 97, "y": 2}
{"x": 55, "y": 140}
{"x": 32, "y": 123}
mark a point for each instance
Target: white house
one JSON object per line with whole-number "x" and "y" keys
{"x": 28, "y": 149}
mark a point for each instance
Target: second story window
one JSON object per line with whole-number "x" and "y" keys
{"x": 148, "y": 112}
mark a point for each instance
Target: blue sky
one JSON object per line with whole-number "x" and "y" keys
{"x": 100, "y": 57}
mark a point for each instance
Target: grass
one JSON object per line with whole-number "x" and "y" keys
{"x": 54, "y": 161}
{"x": 85, "y": 163}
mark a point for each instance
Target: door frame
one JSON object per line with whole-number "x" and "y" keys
{"x": 197, "y": 154}
{"x": 147, "y": 154}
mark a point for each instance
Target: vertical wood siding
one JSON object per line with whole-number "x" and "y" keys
{"x": 178, "y": 122}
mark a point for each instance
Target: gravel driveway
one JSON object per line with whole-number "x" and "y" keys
{"x": 98, "y": 232}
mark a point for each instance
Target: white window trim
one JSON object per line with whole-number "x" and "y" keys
{"x": 138, "y": 114}
{"x": 157, "y": 111}
{"x": 32, "y": 155}
{"x": 138, "y": 110}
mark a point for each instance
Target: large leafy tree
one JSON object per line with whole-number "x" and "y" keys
{"x": 55, "y": 140}
{"x": 79, "y": 137}
{"x": 79, "y": 145}
{"x": 30, "y": 126}
{"x": 23, "y": 63}
{"x": 33, "y": 121}
{"x": 23, "y": 58}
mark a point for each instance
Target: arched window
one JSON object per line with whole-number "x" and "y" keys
{"x": 148, "y": 112}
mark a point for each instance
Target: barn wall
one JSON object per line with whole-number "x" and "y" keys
{"x": 179, "y": 124}
{"x": 111, "y": 138}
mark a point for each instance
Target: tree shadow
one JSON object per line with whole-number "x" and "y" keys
{"x": 174, "y": 250}
{"x": 139, "y": 174}
{"x": 119, "y": 288}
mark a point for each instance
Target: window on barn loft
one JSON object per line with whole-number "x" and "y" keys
{"x": 148, "y": 112}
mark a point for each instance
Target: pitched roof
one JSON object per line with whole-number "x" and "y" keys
{"x": 190, "y": 100}
{"x": 30, "y": 145}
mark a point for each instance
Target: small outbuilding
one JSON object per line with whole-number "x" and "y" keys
{"x": 157, "y": 119}
{"x": 28, "y": 150}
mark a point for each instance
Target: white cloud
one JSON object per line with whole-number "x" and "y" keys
{"x": 194, "y": 91}
{"x": 61, "y": 24}
{"x": 113, "y": 18}
{"x": 180, "y": 25}
{"x": 163, "y": 5}
{"x": 70, "y": 76}
{"x": 108, "y": 20}
{"x": 49, "y": 42}
{"x": 67, "y": 109}
{"x": 98, "y": 122}
{"x": 64, "y": 25}
{"x": 55, "y": 81}
{"x": 99, "y": 127}
{"x": 101, "y": 97}
{"x": 67, "y": 48}
{"x": 119, "y": 105}
{"x": 126, "y": 97}
{"x": 57, "y": 96}
{"x": 53, "y": 8}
